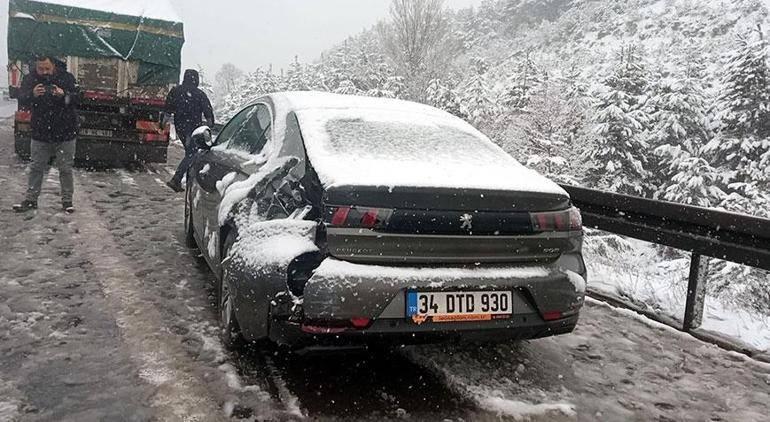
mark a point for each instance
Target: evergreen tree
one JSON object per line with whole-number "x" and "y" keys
{"x": 742, "y": 146}
{"x": 546, "y": 128}
{"x": 442, "y": 96}
{"x": 692, "y": 180}
{"x": 347, "y": 87}
{"x": 256, "y": 84}
{"x": 619, "y": 150}
{"x": 297, "y": 78}
{"x": 476, "y": 96}
{"x": 679, "y": 134}
{"x": 524, "y": 78}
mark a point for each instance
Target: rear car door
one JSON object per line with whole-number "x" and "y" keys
{"x": 287, "y": 194}
{"x": 209, "y": 167}
{"x": 235, "y": 157}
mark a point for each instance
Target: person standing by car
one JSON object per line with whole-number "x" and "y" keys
{"x": 52, "y": 95}
{"x": 191, "y": 108}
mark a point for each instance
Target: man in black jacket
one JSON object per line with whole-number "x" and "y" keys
{"x": 52, "y": 95}
{"x": 191, "y": 108}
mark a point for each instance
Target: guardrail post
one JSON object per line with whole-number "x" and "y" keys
{"x": 696, "y": 292}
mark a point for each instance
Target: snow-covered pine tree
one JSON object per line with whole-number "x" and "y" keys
{"x": 256, "y": 84}
{"x": 742, "y": 146}
{"x": 679, "y": 133}
{"x": 547, "y": 131}
{"x": 347, "y": 87}
{"x": 524, "y": 77}
{"x": 692, "y": 180}
{"x": 580, "y": 104}
{"x": 444, "y": 97}
{"x": 477, "y": 102}
{"x": 297, "y": 78}
{"x": 619, "y": 151}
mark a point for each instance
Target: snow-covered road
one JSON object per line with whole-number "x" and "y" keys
{"x": 105, "y": 315}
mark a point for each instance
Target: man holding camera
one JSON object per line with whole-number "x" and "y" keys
{"x": 51, "y": 93}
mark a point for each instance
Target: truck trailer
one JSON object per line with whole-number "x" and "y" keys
{"x": 125, "y": 56}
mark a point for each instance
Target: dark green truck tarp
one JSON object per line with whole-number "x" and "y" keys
{"x": 86, "y": 29}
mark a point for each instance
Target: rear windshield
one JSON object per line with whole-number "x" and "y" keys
{"x": 407, "y": 141}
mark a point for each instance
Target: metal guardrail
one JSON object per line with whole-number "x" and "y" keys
{"x": 703, "y": 231}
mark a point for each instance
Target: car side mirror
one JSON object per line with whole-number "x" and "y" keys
{"x": 202, "y": 138}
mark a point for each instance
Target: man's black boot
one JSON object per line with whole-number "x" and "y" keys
{"x": 174, "y": 185}
{"x": 68, "y": 207}
{"x": 25, "y": 206}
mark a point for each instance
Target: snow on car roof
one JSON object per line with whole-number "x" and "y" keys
{"x": 153, "y": 9}
{"x": 365, "y": 141}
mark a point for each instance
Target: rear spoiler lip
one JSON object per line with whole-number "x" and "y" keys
{"x": 405, "y": 197}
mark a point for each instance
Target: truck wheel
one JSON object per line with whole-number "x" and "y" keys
{"x": 189, "y": 231}
{"x": 230, "y": 331}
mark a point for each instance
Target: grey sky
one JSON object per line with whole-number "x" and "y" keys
{"x": 251, "y": 33}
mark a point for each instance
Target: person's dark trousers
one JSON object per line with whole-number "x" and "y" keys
{"x": 63, "y": 155}
{"x": 190, "y": 151}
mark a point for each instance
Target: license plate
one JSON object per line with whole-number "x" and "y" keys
{"x": 458, "y": 306}
{"x": 96, "y": 132}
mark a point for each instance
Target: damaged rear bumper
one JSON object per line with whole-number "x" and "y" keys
{"x": 389, "y": 332}
{"x": 340, "y": 292}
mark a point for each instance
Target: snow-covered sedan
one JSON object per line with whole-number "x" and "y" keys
{"x": 338, "y": 220}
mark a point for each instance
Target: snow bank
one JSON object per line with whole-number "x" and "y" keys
{"x": 520, "y": 410}
{"x": 751, "y": 328}
{"x": 153, "y": 9}
{"x": 634, "y": 269}
{"x": 363, "y": 141}
{"x": 274, "y": 242}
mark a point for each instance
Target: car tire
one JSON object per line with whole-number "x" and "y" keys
{"x": 189, "y": 230}
{"x": 230, "y": 332}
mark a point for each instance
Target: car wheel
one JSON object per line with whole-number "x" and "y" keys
{"x": 230, "y": 331}
{"x": 189, "y": 231}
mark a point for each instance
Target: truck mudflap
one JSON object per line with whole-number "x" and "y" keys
{"x": 340, "y": 290}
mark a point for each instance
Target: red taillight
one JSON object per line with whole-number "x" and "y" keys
{"x": 360, "y": 322}
{"x": 147, "y": 126}
{"x": 340, "y": 216}
{"x": 552, "y": 315}
{"x": 14, "y": 76}
{"x": 567, "y": 220}
{"x": 369, "y": 219}
{"x": 23, "y": 116}
{"x": 155, "y": 137}
{"x": 358, "y": 217}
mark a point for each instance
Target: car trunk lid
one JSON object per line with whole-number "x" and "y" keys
{"x": 441, "y": 226}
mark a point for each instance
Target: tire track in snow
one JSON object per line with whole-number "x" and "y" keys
{"x": 126, "y": 177}
{"x": 180, "y": 396}
{"x": 489, "y": 397}
{"x": 10, "y": 401}
{"x": 288, "y": 399}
